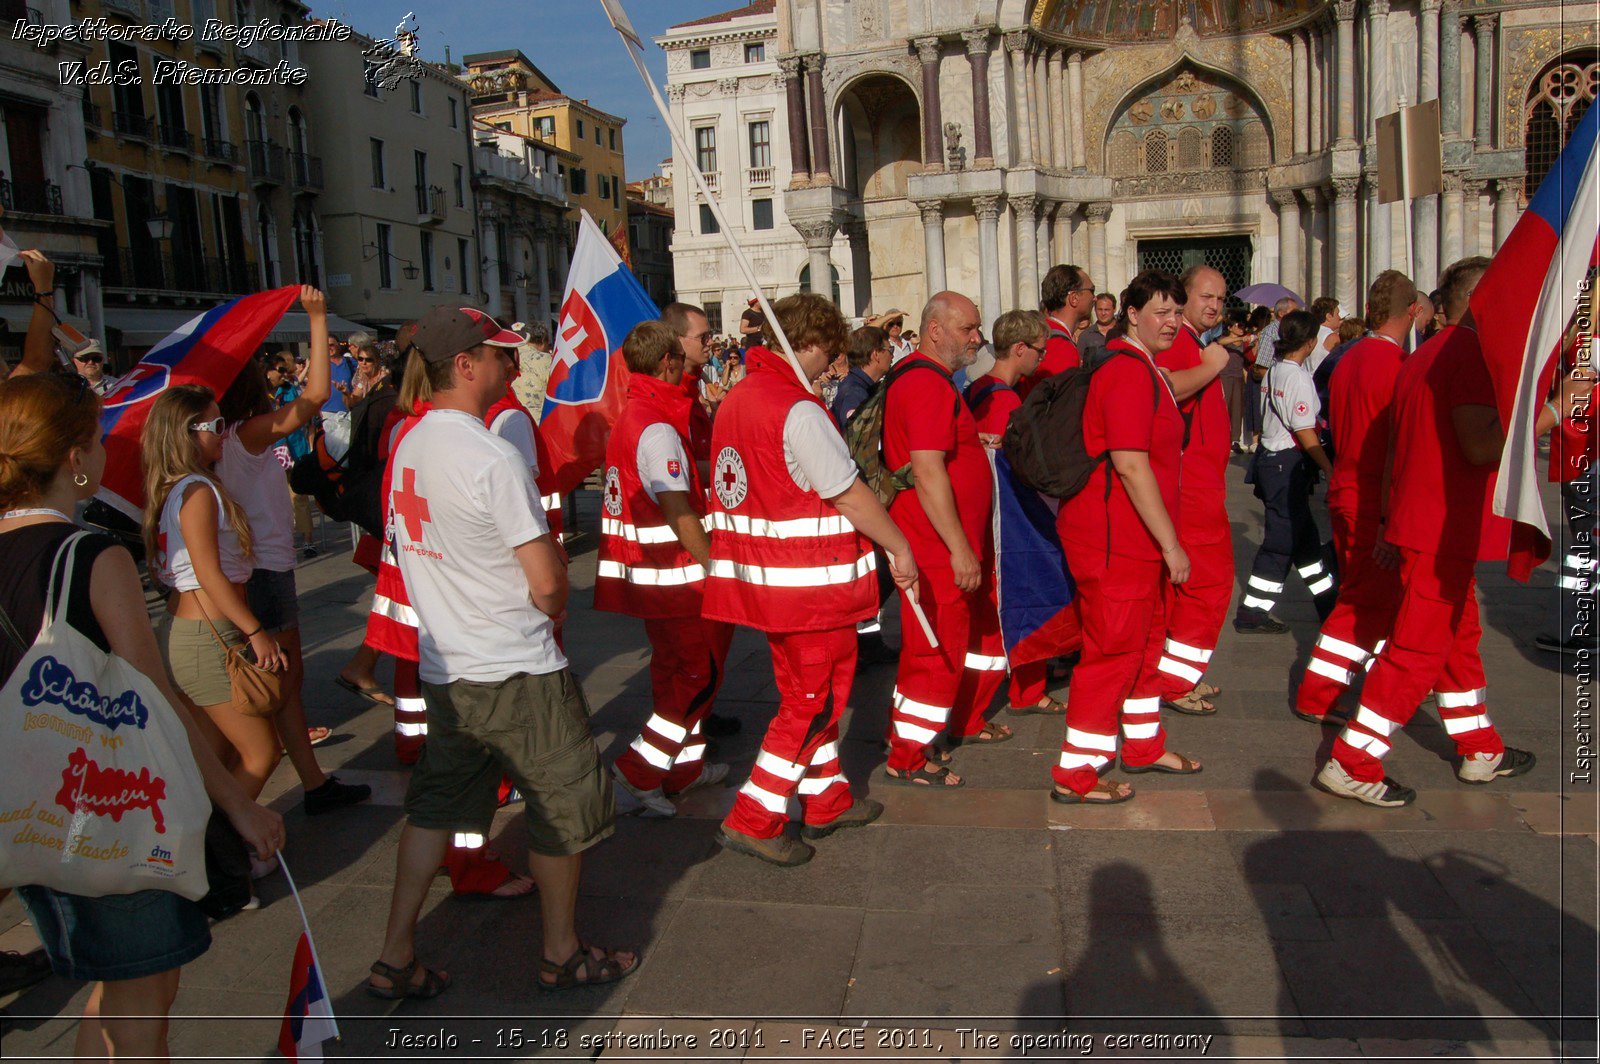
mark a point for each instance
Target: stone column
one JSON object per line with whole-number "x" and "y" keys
{"x": 519, "y": 289}
{"x": 932, "y": 244}
{"x": 987, "y": 208}
{"x": 794, "y": 88}
{"x": 1027, "y": 245}
{"x": 1380, "y": 75}
{"x": 1316, "y": 278}
{"x": 1316, "y": 52}
{"x": 1345, "y": 113}
{"x": 1483, "y": 110}
{"x": 1097, "y": 214}
{"x": 1017, "y": 55}
{"x": 1344, "y": 242}
{"x": 1472, "y": 242}
{"x": 821, "y": 149}
{"x": 541, "y": 266}
{"x": 977, "y": 42}
{"x": 1042, "y": 240}
{"x": 1060, "y": 154}
{"x": 1425, "y": 232}
{"x": 1042, "y": 123}
{"x": 932, "y": 119}
{"x": 1506, "y": 207}
{"x": 1428, "y": 52}
{"x": 1452, "y": 236}
{"x": 1289, "y": 239}
{"x": 1298, "y": 87}
{"x": 1064, "y": 226}
{"x": 490, "y": 242}
{"x": 818, "y": 236}
{"x": 1450, "y": 73}
{"x": 1075, "y": 108}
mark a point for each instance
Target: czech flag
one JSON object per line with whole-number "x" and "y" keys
{"x": 588, "y": 381}
{"x": 1520, "y": 310}
{"x": 308, "y": 1016}
{"x": 209, "y": 349}
{"x": 1034, "y": 588}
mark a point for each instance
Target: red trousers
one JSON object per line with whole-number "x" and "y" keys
{"x": 984, "y": 667}
{"x": 1353, "y": 634}
{"x": 1432, "y": 647}
{"x": 410, "y": 714}
{"x": 800, "y": 752}
{"x": 687, "y": 660}
{"x": 1195, "y": 610}
{"x": 1120, "y": 600}
{"x": 929, "y": 687}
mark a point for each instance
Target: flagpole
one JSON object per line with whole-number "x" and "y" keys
{"x": 310, "y": 941}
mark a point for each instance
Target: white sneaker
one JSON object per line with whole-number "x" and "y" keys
{"x": 653, "y": 804}
{"x": 1385, "y": 793}
{"x": 711, "y": 773}
{"x": 1482, "y": 768}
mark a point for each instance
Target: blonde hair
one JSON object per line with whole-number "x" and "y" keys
{"x": 169, "y": 452}
{"x": 415, "y": 386}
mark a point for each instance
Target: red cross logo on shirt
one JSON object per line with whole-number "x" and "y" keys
{"x": 730, "y": 482}
{"x": 411, "y": 506}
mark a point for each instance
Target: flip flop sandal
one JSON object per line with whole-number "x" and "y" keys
{"x": 1187, "y": 768}
{"x": 1108, "y": 797}
{"x": 1054, "y": 707}
{"x": 433, "y": 983}
{"x": 318, "y": 735}
{"x": 1207, "y": 691}
{"x": 991, "y": 734}
{"x": 929, "y": 776}
{"x": 371, "y": 694}
{"x": 1189, "y": 704}
{"x": 596, "y": 971}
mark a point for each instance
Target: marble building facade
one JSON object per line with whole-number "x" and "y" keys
{"x": 946, "y": 143}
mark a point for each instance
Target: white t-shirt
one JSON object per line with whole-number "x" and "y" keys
{"x": 1294, "y": 397}
{"x": 173, "y": 566}
{"x": 662, "y": 463}
{"x": 516, "y": 428}
{"x": 463, "y": 500}
{"x": 259, "y": 485}
{"x": 1319, "y": 350}
{"x": 815, "y": 452}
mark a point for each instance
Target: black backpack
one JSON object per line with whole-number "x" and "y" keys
{"x": 1044, "y": 441}
{"x": 349, "y": 488}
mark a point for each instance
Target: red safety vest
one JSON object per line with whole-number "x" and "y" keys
{"x": 782, "y": 559}
{"x": 643, "y": 570}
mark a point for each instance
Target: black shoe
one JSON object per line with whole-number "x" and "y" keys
{"x": 1573, "y": 645}
{"x": 19, "y": 970}
{"x": 714, "y": 725}
{"x": 1267, "y": 625}
{"x": 335, "y": 795}
{"x": 308, "y": 551}
{"x": 872, "y": 650}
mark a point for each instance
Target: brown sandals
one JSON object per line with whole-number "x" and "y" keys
{"x": 1186, "y": 766}
{"x": 1104, "y": 792}
{"x": 433, "y": 983}
{"x": 597, "y": 971}
{"x": 1053, "y": 707}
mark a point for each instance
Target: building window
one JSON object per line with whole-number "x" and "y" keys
{"x": 597, "y": 135}
{"x": 1559, "y": 99}
{"x": 705, "y": 149}
{"x": 427, "y": 261}
{"x": 1155, "y": 152}
{"x": 761, "y": 214}
{"x": 605, "y": 186}
{"x": 419, "y": 162}
{"x": 369, "y": 75}
{"x": 580, "y": 182}
{"x": 760, "y": 144}
{"x": 611, "y": 135}
{"x": 700, "y": 59}
{"x": 708, "y": 221}
{"x": 455, "y": 113}
{"x": 502, "y": 253}
{"x": 714, "y": 315}
{"x": 416, "y": 97}
{"x": 385, "y": 272}
{"x": 460, "y": 185}
{"x": 580, "y": 129}
{"x": 544, "y": 126}
{"x": 463, "y": 250}
{"x": 378, "y": 180}
{"x": 616, "y": 191}
{"x": 211, "y": 116}
{"x": 755, "y": 53}
{"x": 125, "y": 99}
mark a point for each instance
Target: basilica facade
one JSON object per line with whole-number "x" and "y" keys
{"x": 915, "y": 145}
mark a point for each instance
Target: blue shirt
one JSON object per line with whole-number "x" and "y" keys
{"x": 853, "y": 391}
{"x": 344, "y": 372}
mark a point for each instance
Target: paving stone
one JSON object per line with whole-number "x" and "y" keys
{"x": 1556, "y": 814}
{"x": 1108, "y": 872}
{"x": 1347, "y": 873}
{"x": 673, "y": 851}
{"x": 967, "y": 807}
{"x": 1150, "y": 809}
{"x": 836, "y": 876}
{"x": 914, "y": 867}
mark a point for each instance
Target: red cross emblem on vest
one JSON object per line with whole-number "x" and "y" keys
{"x": 410, "y": 506}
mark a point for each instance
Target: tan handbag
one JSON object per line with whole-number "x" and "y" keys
{"x": 256, "y": 692}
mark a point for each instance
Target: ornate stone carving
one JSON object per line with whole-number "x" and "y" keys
{"x": 813, "y": 62}
{"x": 1141, "y": 112}
{"x": 1172, "y": 110}
{"x": 728, "y": 86}
{"x": 932, "y": 211}
{"x": 927, "y": 49}
{"x": 1205, "y": 107}
{"x": 977, "y": 40}
{"x": 1344, "y": 188}
{"x": 1526, "y": 51}
{"x": 987, "y": 208}
{"x": 817, "y": 233}
{"x": 1024, "y": 206}
{"x": 1377, "y": 9}
{"x": 1097, "y": 213}
{"x": 675, "y": 93}
{"x": 710, "y": 269}
{"x": 955, "y": 158}
{"x": 1017, "y": 41}
{"x": 789, "y": 67}
{"x": 1508, "y": 186}
{"x": 677, "y": 60}
{"x": 1166, "y": 186}
{"x": 870, "y": 23}
{"x": 1454, "y": 181}
{"x": 1283, "y": 197}
{"x": 1431, "y": 5}
{"x": 1473, "y": 187}
{"x": 1344, "y": 10}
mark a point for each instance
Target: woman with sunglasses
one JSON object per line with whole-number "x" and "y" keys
{"x": 200, "y": 545}
{"x": 371, "y": 370}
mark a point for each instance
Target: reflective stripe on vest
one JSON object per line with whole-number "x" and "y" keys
{"x": 650, "y": 534}
{"x": 647, "y": 577}
{"x": 798, "y": 576}
{"x": 744, "y": 525}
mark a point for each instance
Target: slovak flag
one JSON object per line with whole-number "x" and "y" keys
{"x": 1034, "y": 588}
{"x": 1520, "y": 310}
{"x": 308, "y": 1016}
{"x": 208, "y": 349}
{"x": 588, "y": 381}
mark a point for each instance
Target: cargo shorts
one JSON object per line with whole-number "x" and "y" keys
{"x": 531, "y": 728}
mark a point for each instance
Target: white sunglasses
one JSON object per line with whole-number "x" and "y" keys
{"x": 214, "y": 426}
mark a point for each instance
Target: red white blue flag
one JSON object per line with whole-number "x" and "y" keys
{"x": 308, "y": 1016}
{"x": 1034, "y": 588}
{"x": 588, "y": 381}
{"x": 208, "y": 349}
{"x": 1520, "y": 310}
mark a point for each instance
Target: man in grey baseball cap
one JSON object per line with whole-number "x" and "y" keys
{"x": 445, "y": 332}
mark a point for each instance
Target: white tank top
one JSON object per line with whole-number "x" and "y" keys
{"x": 172, "y": 564}
{"x": 259, "y": 485}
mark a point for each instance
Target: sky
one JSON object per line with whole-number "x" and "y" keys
{"x": 570, "y": 40}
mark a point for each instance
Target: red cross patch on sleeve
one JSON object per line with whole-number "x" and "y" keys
{"x": 1302, "y": 409}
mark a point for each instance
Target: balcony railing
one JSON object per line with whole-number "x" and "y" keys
{"x": 305, "y": 170}
{"x": 713, "y": 180}
{"x": 174, "y": 139}
{"x": 33, "y": 197}
{"x": 758, "y": 177}
{"x": 182, "y": 273}
{"x": 431, "y": 206}
{"x": 266, "y": 160}
{"x": 128, "y": 124}
{"x": 222, "y": 150}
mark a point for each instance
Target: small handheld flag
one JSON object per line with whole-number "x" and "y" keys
{"x": 308, "y": 1019}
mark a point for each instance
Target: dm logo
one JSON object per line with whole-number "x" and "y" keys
{"x": 582, "y": 355}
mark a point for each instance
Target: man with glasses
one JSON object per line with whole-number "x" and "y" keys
{"x": 1067, "y": 295}
{"x": 336, "y": 411}
{"x": 90, "y": 364}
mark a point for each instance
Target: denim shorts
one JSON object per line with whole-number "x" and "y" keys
{"x": 273, "y": 600}
{"x": 119, "y": 936}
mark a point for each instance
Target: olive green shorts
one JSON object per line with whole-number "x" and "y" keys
{"x": 534, "y": 729}
{"x": 199, "y": 667}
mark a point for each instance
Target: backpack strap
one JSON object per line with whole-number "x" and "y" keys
{"x": 907, "y": 365}
{"x": 976, "y": 395}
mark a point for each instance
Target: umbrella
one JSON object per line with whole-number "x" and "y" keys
{"x": 1264, "y": 295}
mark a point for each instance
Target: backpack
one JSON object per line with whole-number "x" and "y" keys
{"x": 975, "y": 395}
{"x": 863, "y": 435}
{"x": 1044, "y": 441}
{"x": 349, "y": 488}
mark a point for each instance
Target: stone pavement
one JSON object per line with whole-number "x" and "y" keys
{"x": 1238, "y": 913}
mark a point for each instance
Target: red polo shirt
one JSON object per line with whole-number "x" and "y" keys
{"x": 1204, "y": 485}
{"x": 1439, "y": 503}
{"x": 1361, "y": 412}
{"x": 1128, "y": 409}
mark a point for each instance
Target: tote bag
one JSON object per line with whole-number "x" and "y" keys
{"x": 101, "y": 794}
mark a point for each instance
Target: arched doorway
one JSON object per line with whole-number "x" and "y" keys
{"x": 805, "y": 280}
{"x": 880, "y": 147}
{"x": 1557, "y": 101}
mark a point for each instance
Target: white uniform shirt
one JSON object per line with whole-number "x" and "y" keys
{"x": 516, "y": 428}
{"x": 1319, "y": 350}
{"x": 815, "y": 452}
{"x": 661, "y": 461}
{"x": 1294, "y": 398}
{"x": 463, "y": 499}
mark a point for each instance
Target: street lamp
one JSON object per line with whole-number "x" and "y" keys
{"x": 410, "y": 270}
{"x": 160, "y": 226}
